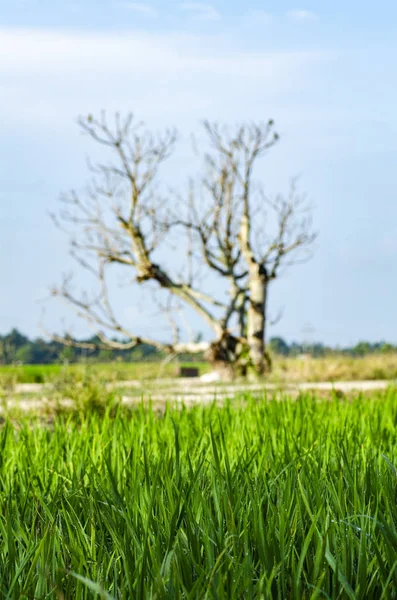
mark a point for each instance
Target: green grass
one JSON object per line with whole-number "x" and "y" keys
{"x": 330, "y": 368}
{"x": 112, "y": 371}
{"x": 291, "y": 499}
{"x": 28, "y": 373}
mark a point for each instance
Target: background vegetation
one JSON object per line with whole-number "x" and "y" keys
{"x": 15, "y": 347}
{"x": 285, "y": 370}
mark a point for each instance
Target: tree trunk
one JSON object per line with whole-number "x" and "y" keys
{"x": 256, "y": 322}
{"x": 223, "y": 355}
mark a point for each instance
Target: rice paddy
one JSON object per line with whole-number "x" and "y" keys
{"x": 255, "y": 498}
{"x": 337, "y": 367}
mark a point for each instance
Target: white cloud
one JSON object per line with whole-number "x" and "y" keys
{"x": 139, "y": 7}
{"x": 302, "y": 15}
{"x": 49, "y": 77}
{"x": 35, "y": 53}
{"x": 200, "y": 11}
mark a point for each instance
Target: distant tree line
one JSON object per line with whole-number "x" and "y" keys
{"x": 280, "y": 347}
{"x": 18, "y": 348}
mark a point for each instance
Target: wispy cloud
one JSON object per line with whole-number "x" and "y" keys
{"x": 66, "y": 73}
{"x": 200, "y": 11}
{"x": 301, "y": 15}
{"x": 139, "y": 7}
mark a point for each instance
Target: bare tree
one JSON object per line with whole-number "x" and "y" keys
{"x": 225, "y": 227}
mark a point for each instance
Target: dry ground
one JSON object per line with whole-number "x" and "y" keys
{"x": 37, "y": 398}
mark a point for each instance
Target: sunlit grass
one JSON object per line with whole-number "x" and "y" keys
{"x": 116, "y": 371}
{"x": 336, "y": 367}
{"x": 291, "y": 499}
{"x": 331, "y": 368}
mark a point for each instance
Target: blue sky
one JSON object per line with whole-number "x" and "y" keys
{"x": 324, "y": 70}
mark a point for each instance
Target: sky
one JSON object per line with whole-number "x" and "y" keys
{"x": 323, "y": 70}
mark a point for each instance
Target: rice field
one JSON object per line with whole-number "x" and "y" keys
{"x": 331, "y": 368}
{"x": 252, "y": 499}
{"x": 116, "y": 371}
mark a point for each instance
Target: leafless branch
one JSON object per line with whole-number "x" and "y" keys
{"x": 222, "y": 224}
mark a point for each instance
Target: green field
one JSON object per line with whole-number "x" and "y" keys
{"x": 254, "y": 499}
{"x": 330, "y": 368}
{"x": 117, "y": 371}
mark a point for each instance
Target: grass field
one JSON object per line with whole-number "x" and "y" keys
{"x": 336, "y": 368}
{"x": 116, "y": 371}
{"x": 331, "y": 368}
{"x": 256, "y": 499}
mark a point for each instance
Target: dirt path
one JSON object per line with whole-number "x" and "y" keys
{"x": 170, "y": 387}
{"x": 38, "y": 398}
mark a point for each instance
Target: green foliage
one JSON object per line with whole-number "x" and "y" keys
{"x": 7, "y": 386}
{"x": 17, "y": 348}
{"x": 290, "y": 499}
{"x": 85, "y": 390}
{"x": 25, "y": 354}
{"x": 278, "y": 346}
